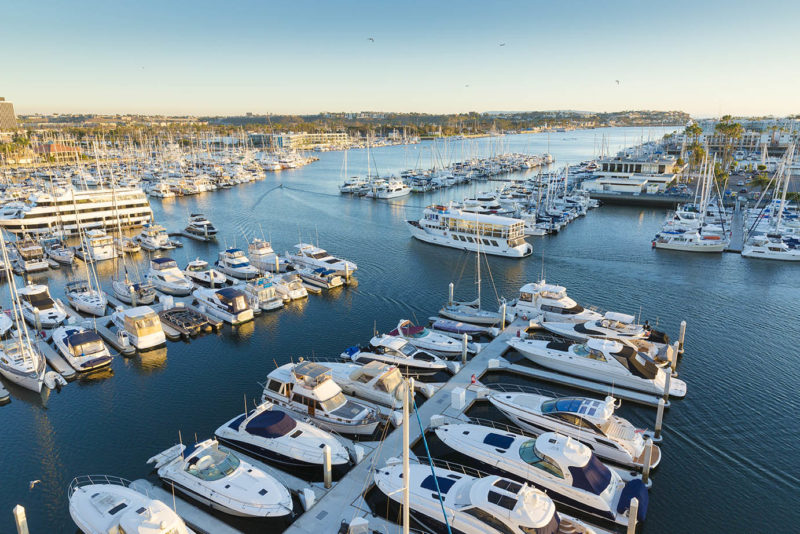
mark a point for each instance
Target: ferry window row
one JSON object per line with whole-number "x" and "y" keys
{"x": 469, "y": 239}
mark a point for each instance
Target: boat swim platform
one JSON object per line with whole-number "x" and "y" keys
{"x": 344, "y": 501}
{"x": 5, "y": 396}
{"x": 196, "y": 518}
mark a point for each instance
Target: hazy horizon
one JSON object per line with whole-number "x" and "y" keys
{"x": 200, "y": 58}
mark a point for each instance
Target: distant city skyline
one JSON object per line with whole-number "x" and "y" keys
{"x": 202, "y": 58}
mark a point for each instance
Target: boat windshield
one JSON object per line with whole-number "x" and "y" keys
{"x": 198, "y": 267}
{"x": 529, "y": 455}
{"x": 213, "y": 466}
{"x": 585, "y": 352}
{"x": 335, "y": 402}
{"x": 408, "y": 349}
{"x": 86, "y": 349}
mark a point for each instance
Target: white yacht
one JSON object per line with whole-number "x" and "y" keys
{"x": 96, "y": 245}
{"x": 376, "y": 382}
{"x": 690, "y": 241}
{"x": 84, "y": 298}
{"x": 590, "y": 421}
{"x": 488, "y": 505}
{"x": 270, "y": 434}
{"x": 470, "y": 312}
{"x": 426, "y": 339}
{"x": 353, "y": 185}
{"x": 307, "y": 255}
{"x": 307, "y": 389}
{"x": 490, "y": 234}
{"x": 227, "y": 304}
{"x": 200, "y": 227}
{"x": 30, "y": 256}
{"x": 770, "y": 247}
{"x": 602, "y": 360}
{"x": 557, "y": 464}
{"x": 142, "y": 325}
{"x": 154, "y": 237}
{"x": 261, "y": 294}
{"x": 262, "y": 257}
{"x": 612, "y": 325}
{"x": 290, "y": 287}
{"x": 221, "y": 480}
{"x": 393, "y": 188}
{"x": 133, "y": 293}
{"x": 166, "y": 277}
{"x": 199, "y": 272}
{"x": 39, "y": 308}
{"x": 68, "y": 209}
{"x": 321, "y": 278}
{"x": 234, "y": 263}
{"x": 22, "y": 363}
{"x": 106, "y": 504}
{"x": 398, "y": 352}
{"x": 540, "y": 299}
{"x": 57, "y": 251}
{"x": 83, "y": 349}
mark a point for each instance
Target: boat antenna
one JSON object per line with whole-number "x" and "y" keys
{"x": 245, "y": 404}
{"x": 180, "y": 440}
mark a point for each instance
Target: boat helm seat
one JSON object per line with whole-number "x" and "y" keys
{"x": 204, "y": 462}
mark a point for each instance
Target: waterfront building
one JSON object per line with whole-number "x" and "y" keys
{"x": 8, "y": 120}
{"x": 632, "y": 174}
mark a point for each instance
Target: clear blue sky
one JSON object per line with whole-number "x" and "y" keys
{"x": 299, "y": 56}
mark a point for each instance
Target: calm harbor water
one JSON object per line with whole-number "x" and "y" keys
{"x": 727, "y": 464}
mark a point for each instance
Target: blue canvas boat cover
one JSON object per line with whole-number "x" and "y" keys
{"x": 271, "y": 424}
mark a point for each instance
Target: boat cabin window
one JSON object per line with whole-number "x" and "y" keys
{"x": 526, "y": 297}
{"x": 319, "y": 255}
{"x": 42, "y": 300}
{"x": 489, "y": 519}
{"x": 147, "y": 325}
{"x": 529, "y": 455}
{"x": 213, "y": 466}
{"x": 421, "y": 356}
{"x": 85, "y": 349}
{"x": 198, "y": 267}
{"x": 274, "y": 385}
{"x": 407, "y": 349}
{"x": 335, "y": 402}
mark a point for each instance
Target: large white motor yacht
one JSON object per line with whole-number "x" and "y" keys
{"x": 233, "y": 262}
{"x": 398, "y": 352}
{"x": 540, "y": 299}
{"x": 307, "y": 255}
{"x": 166, "y": 277}
{"x": 590, "y": 421}
{"x": 201, "y": 274}
{"x": 142, "y": 325}
{"x": 601, "y": 360}
{"x": 263, "y": 257}
{"x": 307, "y": 389}
{"x": 221, "y": 480}
{"x": 227, "y": 304}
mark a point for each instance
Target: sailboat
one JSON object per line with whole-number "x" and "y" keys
{"x": 124, "y": 289}
{"x": 20, "y": 361}
{"x": 86, "y": 295}
{"x": 471, "y": 312}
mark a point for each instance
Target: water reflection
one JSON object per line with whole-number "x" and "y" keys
{"x": 150, "y": 361}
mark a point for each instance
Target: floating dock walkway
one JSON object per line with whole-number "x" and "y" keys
{"x": 737, "y": 230}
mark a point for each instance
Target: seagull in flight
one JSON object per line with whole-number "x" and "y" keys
{"x": 371, "y": 39}
{"x": 33, "y": 483}
{"x": 501, "y": 44}
{"x": 617, "y": 82}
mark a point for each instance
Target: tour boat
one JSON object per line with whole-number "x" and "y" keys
{"x": 322, "y": 278}
{"x": 271, "y": 434}
{"x": 261, "y": 294}
{"x": 590, "y": 421}
{"x": 221, "y": 480}
{"x": 491, "y": 234}
{"x": 290, "y": 287}
{"x": 426, "y": 339}
{"x": 234, "y": 263}
{"x": 551, "y": 303}
{"x": 199, "y": 272}
{"x": 70, "y": 208}
{"x": 612, "y": 325}
{"x": 398, "y": 352}
{"x": 308, "y": 390}
{"x": 106, "y": 504}
{"x": 602, "y": 360}
{"x": 166, "y": 277}
{"x": 39, "y": 308}
{"x": 262, "y": 257}
{"x": 200, "y": 227}
{"x": 307, "y": 255}
{"x": 30, "y": 256}
{"x": 83, "y": 349}
{"x": 84, "y": 298}
{"x": 487, "y": 505}
{"x": 142, "y": 326}
{"x": 154, "y": 237}
{"x": 557, "y": 464}
{"x": 227, "y": 304}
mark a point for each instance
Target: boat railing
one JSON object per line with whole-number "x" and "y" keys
{"x": 518, "y": 388}
{"x": 88, "y": 480}
{"x": 458, "y": 468}
{"x": 500, "y": 426}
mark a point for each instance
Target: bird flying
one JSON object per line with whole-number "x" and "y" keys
{"x": 371, "y": 39}
{"x": 32, "y": 483}
{"x": 501, "y": 44}
{"x": 617, "y": 82}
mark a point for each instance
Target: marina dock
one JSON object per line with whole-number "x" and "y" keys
{"x": 55, "y": 360}
{"x": 737, "y": 230}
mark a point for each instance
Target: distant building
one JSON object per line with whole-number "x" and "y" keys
{"x": 56, "y": 152}
{"x": 8, "y": 120}
{"x": 633, "y": 175}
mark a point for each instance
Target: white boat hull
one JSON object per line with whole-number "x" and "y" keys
{"x": 447, "y": 241}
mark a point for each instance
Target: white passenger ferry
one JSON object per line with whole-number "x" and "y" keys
{"x": 491, "y": 234}
{"x": 43, "y": 212}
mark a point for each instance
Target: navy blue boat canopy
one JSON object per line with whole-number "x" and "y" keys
{"x": 271, "y": 424}
{"x": 444, "y": 484}
{"x": 634, "y": 488}
{"x": 593, "y": 477}
{"x": 498, "y": 440}
{"x": 161, "y": 260}
{"x": 230, "y": 293}
{"x": 80, "y": 338}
